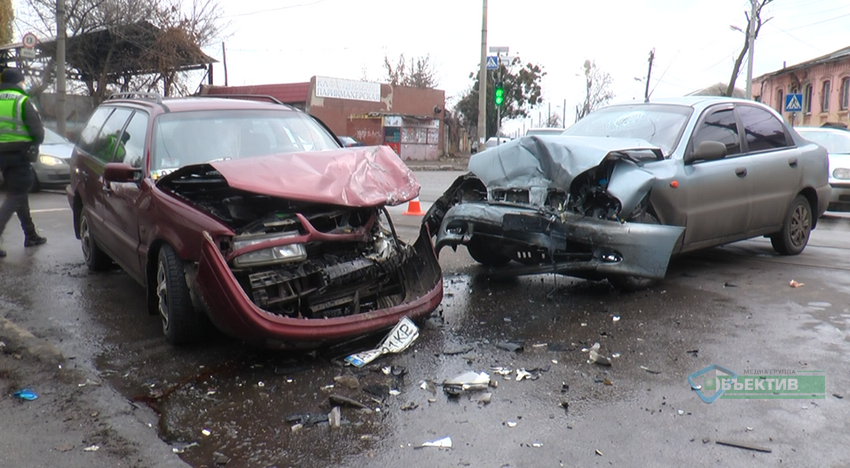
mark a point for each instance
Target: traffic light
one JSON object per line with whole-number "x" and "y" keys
{"x": 500, "y": 94}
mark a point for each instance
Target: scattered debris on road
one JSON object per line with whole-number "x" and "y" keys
{"x": 796, "y": 284}
{"x": 595, "y": 357}
{"x": 335, "y": 418}
{"x": 27, "y": 394}
{"x": 650, "y": 370}
{"x": 508, "y": 346}
{"x": 467, "y": 381}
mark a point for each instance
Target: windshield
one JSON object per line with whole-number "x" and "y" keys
{"x": 185, "y": 138}
{"x": 53, "y": 138}
{"x": 837, "y": 142}
{"x": 659, "y": 124}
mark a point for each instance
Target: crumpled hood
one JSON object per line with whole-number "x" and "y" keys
{"x": 355, "y": 177}
{"x": 546, "y": 161}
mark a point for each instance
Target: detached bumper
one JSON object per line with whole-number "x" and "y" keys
{"x": 612, "y": 248}
{"x": 232, "y": 311}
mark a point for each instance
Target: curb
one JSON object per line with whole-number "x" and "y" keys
{"x": 19, "y": 340}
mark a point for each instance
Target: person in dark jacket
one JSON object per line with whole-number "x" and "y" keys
{"x": 21, "y": 132}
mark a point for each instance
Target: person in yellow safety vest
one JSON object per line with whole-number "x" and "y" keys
{"x": 21, "y": 132}
{"x": 115, "y": 147}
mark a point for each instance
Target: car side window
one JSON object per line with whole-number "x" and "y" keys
{"x": 107, "y": 142}
{"x": 88, "y": 136}
{"x": 763, "y": 130}
{"x": 132, "y": 143}
{"x": 720, "y": 126}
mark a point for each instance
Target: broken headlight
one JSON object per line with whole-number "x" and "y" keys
{"x": 270, "y": 256}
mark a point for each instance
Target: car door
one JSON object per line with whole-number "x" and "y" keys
{"x": 122, "y": 200}
{"x": 774, "y": 168}
{"x": 717, "y": 203}
{"x": 98, "y": 154}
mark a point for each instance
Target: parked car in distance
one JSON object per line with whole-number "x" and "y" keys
{"x": 349, "y": 142}
{"x": 544, "y": 131}
{"x": 493, "y": 142}
{"x": 249, "y": 214}
{"x": 630, "y": 185}
{"x": 837, "y": 144}
{"x": 51, "y": 169}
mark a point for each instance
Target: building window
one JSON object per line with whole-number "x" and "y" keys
{"x": 845, "y": 91}
{"x": 807, "y": 99}
{"x": 824, "y": 97}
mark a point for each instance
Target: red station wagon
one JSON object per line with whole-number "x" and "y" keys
{"x": 250, "y": 214}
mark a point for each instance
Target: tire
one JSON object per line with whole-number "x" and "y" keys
{"x": 181, "y": 324}
{"x": 631, "y": 283}
{"x": 95, "y": 258}
{"x": 485, "y": 254}
{"x": 796, "y": 228}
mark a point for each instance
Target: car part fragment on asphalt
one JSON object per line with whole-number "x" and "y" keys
{"x": 796, "y": 284}
{"x": 445, "y": 442}
{"x": 744, "y": 445}
{"x": 508, "y": 346}
{"x": 468, "y": 381}
{"x": 339, "y": 400}
{"x": 27, "y": 394}
{"x": 335, "y": 418}
{"x": 595, "y": 357}
{"x": 400, "y": 338}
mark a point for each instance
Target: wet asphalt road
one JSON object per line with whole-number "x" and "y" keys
{"x": 730, "y": 306}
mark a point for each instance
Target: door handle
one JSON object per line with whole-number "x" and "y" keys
{"x": 792, "y": 162}
{"x": 741, "y": 172}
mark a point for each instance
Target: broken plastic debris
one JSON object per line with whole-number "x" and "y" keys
{"x": 469, "y": 380}
{"x": 335, "y": 418}
{"x": 616, "y": 318}
{"x": 502, "y": 370}
{"x": 607, "y": 382}
{"x": 339, "y": 400}
{"x": 88, "y": 382}
{"x": 681, "y": 412}
{"x": 599, "y": 453}
{"x": 445, "y": 442}
{"x": 400, "y": 338}
{"x": 485, "y": 398}
{"x": 511, "y": 423}
{"x": 615, "y": 355}
{"x": 25, "y": 394}
{"x": 394, "y": 392}
{"x": 206, "y": 432}
{"x": 522, "y": 374}
{"x": 596, "y": 357}
{"x": 92, "y": 448}
{"x": 508, "y": 346}
{"x": 410, "y": 406}
{"x": 650, "y": 370}
{"x": 796, "y": 284}
{"x": 183, "y": 447}
{"x": 537, "y": 444}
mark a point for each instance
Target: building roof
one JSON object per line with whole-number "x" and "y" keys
{"x": 287, "y": 93}
{"x": 835, "y": 56}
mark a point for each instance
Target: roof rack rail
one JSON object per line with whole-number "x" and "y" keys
{"x": 134, "y": 95}
{"x": 243, "y": 96}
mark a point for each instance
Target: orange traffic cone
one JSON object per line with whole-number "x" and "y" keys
{"x": 413, "y": 208}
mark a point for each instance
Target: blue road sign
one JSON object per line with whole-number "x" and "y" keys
{"x": 794, "y": 103}
{"x": 492, "y": 62}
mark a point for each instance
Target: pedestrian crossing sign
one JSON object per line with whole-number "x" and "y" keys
{"x": 492, "y": 62}
{"x": 794, "y": 103}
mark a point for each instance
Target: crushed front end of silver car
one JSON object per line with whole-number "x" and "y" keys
{"x": 570, "y": 205}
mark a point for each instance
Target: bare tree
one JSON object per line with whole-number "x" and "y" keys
{"x": 598, "y": 89}
{"x": 7, "y": 16}
{"x": 418, "y": 73}
{"x": 163, "y": 29}
{"x": 756, "y": 27}
{"x": 554, "y": 121}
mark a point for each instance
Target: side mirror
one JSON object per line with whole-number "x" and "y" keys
{"x": 707, "y": 151}
{"x": 121, "y": 172}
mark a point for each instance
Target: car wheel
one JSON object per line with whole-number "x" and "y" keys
{"x": 180, "y": 323}
{"x": 36, "y": 186}
{"x": 631, "y": 283}
{"x": 485, "y": 254}
{"x": 96, "y": 259}
{"x": 796, "y": 227}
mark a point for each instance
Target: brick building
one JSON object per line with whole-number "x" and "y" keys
{"x": 824, "y": 83}
{"x": 410, "y": 120}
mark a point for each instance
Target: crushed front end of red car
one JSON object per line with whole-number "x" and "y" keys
{"x": 315, "y": 257}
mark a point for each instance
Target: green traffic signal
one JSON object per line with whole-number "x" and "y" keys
{"x": 500, "y": 94}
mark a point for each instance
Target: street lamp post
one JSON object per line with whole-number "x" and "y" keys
{"x": 751, "y": 32}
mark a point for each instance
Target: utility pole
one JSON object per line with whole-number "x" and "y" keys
{"x": 60, "y": 67}
{"x": 482, "y": 83}
{"x": 564, "y": 115}
{"x": 648, "y": 74}
{"x": 751, "y": 32}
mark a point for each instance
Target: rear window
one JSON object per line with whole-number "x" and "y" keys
{"x": 186, "y": 138}
{"x": 660, "y": 124}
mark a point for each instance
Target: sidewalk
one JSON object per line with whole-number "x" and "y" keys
{"x": 457, "y": 163}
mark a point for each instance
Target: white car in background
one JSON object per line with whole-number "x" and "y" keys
{"x": 51, "y": 170}
{"x": 837, "y": 144}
